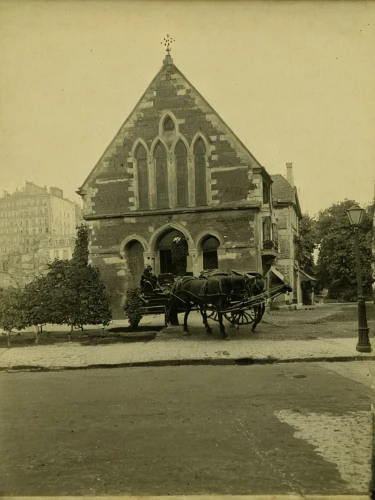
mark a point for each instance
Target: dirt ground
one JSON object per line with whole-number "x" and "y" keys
{"x": 327, "y": 321}
{"x": 202, "y": 430}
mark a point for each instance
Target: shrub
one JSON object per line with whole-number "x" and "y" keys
{"x": 132, "y": 306}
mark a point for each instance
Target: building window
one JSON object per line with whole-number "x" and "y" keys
{"x": 209, "y": 248}
{"x": 161, "y": 170}
{"x": 266, "y": 223}
{"x": 181, "y": 174}
{"x": 56, "y": 254}
{"x": 141, "y": 157}
{"x": 65, "y": 254}
{"x": 168, "y": 124}
{"x": 200, "y": 173}
{"x": 266, "y": 192}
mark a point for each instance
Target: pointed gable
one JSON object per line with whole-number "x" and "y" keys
{"x": 170, "y": 108}
{"x": 284, "y": 193}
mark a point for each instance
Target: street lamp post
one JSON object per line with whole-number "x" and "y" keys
{"x": 355, "y": 214}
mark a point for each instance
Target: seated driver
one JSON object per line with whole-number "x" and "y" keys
{"x": 149, "y": 276}
{"x": 146, "y": 275}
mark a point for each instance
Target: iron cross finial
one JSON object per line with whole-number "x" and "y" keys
{"x": 167, "y": 42}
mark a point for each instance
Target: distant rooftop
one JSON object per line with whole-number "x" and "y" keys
{"x": 33, "y": 189}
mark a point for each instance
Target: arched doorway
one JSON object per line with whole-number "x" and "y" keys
{"x": 167, "y": 259}
{"x": 210, "y": 244}
{"x": 134, "y": 262}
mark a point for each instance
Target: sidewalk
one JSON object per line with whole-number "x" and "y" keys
{"x": 171, "y": 348}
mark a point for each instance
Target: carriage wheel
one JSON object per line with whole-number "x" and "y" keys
{"x": 242, "y": 317}
{"x": 213, "y": 315}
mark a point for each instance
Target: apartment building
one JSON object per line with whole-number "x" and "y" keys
{"x": 32, "y": 220}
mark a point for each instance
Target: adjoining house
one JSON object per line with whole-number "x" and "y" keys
{"x": 288, "y": 214}
{"x": 176, "y": 170}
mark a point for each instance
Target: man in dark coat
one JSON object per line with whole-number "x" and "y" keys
{"x": 149, "y": 276}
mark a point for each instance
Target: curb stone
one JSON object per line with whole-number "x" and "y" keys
{"x": 185, "y": 362}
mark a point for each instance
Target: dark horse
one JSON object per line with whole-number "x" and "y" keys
{"x": 215, "y": 291}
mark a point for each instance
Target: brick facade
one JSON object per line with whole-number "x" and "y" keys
{"x": 173, "y": 166}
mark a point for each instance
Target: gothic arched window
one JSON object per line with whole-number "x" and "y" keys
{"x": 181, "y": 174}
{"x": 168, "y": 124}
{"x": 200, "y": 172}
{"x": 161, "y": 171}
{"x": 142, "y": 169}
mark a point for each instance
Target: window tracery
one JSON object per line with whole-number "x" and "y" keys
{"x": 200, "y": 172}
{"x": 142, "y": 171}
{"x": 182, "y": 176}
{"x": 161, "y": 171}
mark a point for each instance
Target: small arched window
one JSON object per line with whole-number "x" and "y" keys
{"x": 161, "y": 170}
{"x": 142, "y": 170}
{"x": 210, "y": 258}
{"x": 200, "y": 172}
{"x": 181, "y": 174}
{"x": 168, "y": 125}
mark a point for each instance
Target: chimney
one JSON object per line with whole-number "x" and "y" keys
{"x": 289, "y": 174}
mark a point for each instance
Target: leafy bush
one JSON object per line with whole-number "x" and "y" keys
{"x": 132, "y": 306}
{"x": 270, "y": 245}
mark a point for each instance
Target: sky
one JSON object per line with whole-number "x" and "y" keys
{"x": 294, "y": 80}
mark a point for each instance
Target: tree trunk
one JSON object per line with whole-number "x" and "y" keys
{"x": 36, "y": 329}
{"x": 8, "y": 338}
{"x": 70, "y": 333}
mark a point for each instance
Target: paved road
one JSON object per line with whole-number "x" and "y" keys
{"x": 302, "y": 428}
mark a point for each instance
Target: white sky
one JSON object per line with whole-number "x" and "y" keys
{"x": 294, "y": 80}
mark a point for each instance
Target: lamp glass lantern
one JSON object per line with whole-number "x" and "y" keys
{"x": 355, "y": 214}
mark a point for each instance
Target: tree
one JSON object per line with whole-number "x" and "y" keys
{"x": 306, "y": 243}
{"x": 81, "y": 250}
{"x": 37, "y": 304}
{"x": 78, "y": 296}
{"x": 86, "y": 301}
{"x": 11, "y": 314}
{"x": 336, "y": 269}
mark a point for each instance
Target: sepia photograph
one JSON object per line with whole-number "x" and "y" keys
{"x": 187, "y": 249}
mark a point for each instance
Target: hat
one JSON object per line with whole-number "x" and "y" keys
{"x": 149, "y": 267}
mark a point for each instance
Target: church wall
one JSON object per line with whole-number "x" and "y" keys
{"x": 236, "y": 230}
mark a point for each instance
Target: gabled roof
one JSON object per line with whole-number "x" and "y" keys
{"x": 170, "y": 67}
{"x": 284, "y": 194}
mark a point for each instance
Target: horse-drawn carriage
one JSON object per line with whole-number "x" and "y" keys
{"x": 155, "y": 294}
{"x": 238, "y": 296}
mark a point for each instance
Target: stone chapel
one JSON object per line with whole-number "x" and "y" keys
{"x": 176, "y": 169}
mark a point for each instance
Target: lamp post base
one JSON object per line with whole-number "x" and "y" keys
{"x": 363, "y": 340}
{"x": 363, "y": 330}
{"x": 364, "y": 348}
